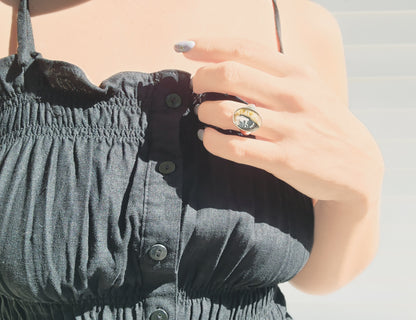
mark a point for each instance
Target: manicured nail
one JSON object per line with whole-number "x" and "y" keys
{"x": 201, "y": 134}
{"x": 196, "y": 108}
{"x": 184, "y": 46}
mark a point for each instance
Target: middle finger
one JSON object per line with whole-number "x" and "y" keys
{"x": 252, "y": 85}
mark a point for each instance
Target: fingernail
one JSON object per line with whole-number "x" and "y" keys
{"x": 201, "y": 134}
{"x": 184, "y": 46}
{"x": 196, "y": 108}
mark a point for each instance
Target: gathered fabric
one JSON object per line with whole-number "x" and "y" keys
{"x": 111, "y": 208}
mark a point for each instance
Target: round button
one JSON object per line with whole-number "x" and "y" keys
{"x": 173, "y": 100}
{"x": 166, "y": 167}
{"x": 158, "y": 252}
{"x": 159, "y": 314}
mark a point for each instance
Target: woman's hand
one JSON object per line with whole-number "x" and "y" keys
{"x": 308, "y": 137}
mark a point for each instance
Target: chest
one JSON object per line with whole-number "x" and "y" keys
{"x": 108, "y": 37}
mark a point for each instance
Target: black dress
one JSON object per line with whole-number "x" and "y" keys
{"x": 111, "y": 208}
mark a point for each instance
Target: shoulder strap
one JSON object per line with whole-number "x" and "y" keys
{"x": 277, "y": 21}
{"x": 26, "y": 45}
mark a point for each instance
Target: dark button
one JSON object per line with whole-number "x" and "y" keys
{"x": 166, "y": 167}
{"x": 173, "y": 100}
{"x": 159, "y": 314}
{"x": 158, "y": 252}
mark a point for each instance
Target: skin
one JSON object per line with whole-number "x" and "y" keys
{"x": 309, "y": 137}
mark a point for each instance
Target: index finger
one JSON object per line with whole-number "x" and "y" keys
{"x": 248, "y": 52}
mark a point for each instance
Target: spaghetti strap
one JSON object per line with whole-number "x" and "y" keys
{"x": 26, "y": 44}
{"x": 277, "y": 21}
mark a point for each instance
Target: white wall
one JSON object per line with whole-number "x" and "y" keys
{"x": 380, "y": 48}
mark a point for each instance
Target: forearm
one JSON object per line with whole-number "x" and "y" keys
{"x": 345, "y": 242}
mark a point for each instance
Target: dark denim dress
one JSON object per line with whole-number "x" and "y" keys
{"x": 111, "y": 208}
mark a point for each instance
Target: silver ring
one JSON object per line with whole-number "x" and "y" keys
{"x": 247, "y": 119}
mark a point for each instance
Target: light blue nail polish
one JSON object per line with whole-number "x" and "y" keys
{"x": 184, "y": 46}
{"x": 201, "y": 134}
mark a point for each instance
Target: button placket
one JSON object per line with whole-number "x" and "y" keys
{"x": 173, "y": 100}
{"x": 158, "y": 252}
{"x": 166, "y": 167}
{"x": 163, "y": 213}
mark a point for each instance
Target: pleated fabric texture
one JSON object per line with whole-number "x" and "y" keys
{"x": 94, "y": 178}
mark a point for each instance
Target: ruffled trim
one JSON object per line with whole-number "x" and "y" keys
{"x": 27, "y": 116}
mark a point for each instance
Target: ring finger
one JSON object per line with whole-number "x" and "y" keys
{"x": 219, "y": 113}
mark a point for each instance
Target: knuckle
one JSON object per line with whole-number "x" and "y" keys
{"x": 295, "y": 99}
{"x": 229, "y": 72}
{"x": 282, "y": 156}
{"x": 237, "y": 149}
{"x": 309, "y": 71}
{"x": 224, "y": 110}
{"x": 305, "y": 70}
{"x": 197, "y": 80}
{"x": 208, "y": 46}
{"x": 242, "y": 50}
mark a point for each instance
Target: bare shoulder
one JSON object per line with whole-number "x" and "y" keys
{"x": 6, "y": 18}
{"x": 312, "y": 35}
{"x": 305, "y": 21}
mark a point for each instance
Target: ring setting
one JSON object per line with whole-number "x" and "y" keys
{"x": 247, "y": 119}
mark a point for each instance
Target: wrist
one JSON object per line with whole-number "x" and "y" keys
{"x": 365, "y": 198}
{"x": 358, "y": 207}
